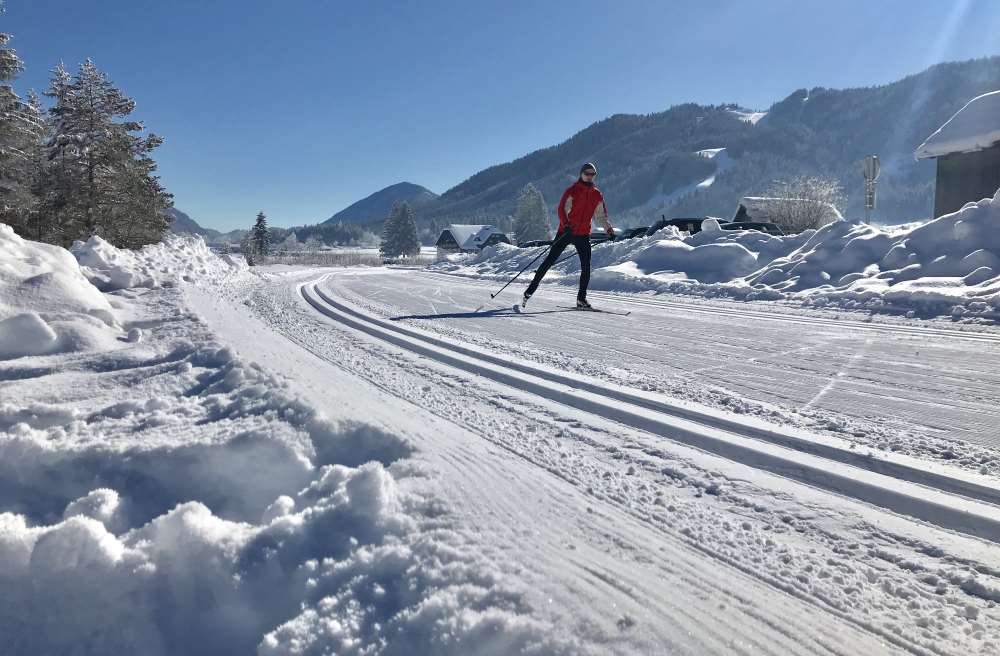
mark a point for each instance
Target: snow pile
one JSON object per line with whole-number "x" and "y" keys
{"x": 708, "y": 256}
{"x": 46, "y": 304}
{"x": 177, "y": 257}
{"x": 974, "y": 127}
{"x": 950, "y": 265}
{"x": 169, "y": 497}
{"x": 188, "y": 581}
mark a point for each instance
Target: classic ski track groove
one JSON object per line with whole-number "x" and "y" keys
{"x": 776, "y": 435}
{"x": 859, "y": 477}
{"x": 765, "y": 316}
{"x": 686, "y": 565}
{"x": 789, "y": 637}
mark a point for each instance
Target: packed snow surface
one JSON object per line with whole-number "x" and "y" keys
{"x": 177, "y": 490}
{"x": 950, "y": 265}
{"x": 163, "y": 495}
{"x": 974, "y": 127}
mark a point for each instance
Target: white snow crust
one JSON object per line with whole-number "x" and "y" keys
{"x": 974, "y": 127}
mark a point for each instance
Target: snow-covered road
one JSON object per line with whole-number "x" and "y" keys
{"x": 628, "y": 543}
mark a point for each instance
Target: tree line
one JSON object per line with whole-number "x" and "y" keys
{"x": 80, "y": 167}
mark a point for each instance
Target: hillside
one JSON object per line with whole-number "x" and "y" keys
{"x": 376, "y": 206}
{"x": 184, "y": 224}
{"x": 645, "y": 160}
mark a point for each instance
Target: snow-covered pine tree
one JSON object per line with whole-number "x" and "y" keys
{"x": 409, "y": 242}
{"x": 313, "y": 243}
{"x": 248, "y": 248}
{"x": 389, "y": 247}
{"x": 260, "y": 236}
{"x": 100, "y": 173}
{"x": 21, "y": 127}
{"x": 531, "y": 220}
{"x": 291, "y": 243}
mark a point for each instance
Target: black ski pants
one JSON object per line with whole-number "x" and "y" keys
{"x": 564, "y": 239}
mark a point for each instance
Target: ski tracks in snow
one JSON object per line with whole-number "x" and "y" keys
{"x": 654, "y": 548}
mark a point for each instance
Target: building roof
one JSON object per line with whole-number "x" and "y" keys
{"x": 471, "y": 237}
{"x": 974, "y": 127}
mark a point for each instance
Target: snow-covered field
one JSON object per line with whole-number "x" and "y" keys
{"x": 948, "y": 266}
{"x": 199, "y": 458}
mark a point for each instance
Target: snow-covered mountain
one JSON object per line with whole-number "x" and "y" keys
{"x": 647, "y": 160}
{"x": 375, "y": 207}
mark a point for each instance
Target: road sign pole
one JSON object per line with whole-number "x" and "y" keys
{"x": 870, "y": 170}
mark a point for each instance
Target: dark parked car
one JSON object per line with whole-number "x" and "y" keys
{"x": 690, "y": 224}
{"x": 536, "y": 242}
{"x": 632, "y": 233}
{"x": 769, "y": 228}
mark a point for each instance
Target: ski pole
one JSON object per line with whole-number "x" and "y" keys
{"x": 545, "y": 252}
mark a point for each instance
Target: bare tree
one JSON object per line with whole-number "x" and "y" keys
{"x": 804, "y": 202}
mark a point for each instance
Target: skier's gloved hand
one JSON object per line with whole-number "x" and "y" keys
{"x": 611, "y": 233}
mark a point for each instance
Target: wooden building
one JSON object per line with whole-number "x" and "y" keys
{"x": 967, "y": 150}
{"x": 458, "y": 238}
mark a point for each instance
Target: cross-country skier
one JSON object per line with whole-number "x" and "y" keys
{"x": 579, "y": 206}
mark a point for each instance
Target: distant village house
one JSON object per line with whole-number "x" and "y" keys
{"x": 468, "y": 239}
{"x": 967, "y": 150}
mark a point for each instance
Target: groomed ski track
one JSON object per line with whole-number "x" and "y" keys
{"x": 950, "y": 500}
{"x": 628, "y": 541}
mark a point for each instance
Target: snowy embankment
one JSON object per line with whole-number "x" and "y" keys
{"x": 161, "y": 495}
{"x": 950, "y": 265}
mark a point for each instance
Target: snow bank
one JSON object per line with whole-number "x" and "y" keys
{"x": 338, "y": 567}
{"x": 46, "y": 303}
{"x": 176, "y": 258}
{"x": 169, "y": 497}
{"x": 950, "y": 265}
{"x": 186, "y": 582}
{"x": 51, "y": 301}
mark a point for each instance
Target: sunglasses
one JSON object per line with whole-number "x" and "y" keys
{"x": 589, "y": 174}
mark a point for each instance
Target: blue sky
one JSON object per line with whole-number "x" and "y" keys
{"x": 301, "y": 107}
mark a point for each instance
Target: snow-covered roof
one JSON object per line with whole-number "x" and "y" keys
{"x": 470, "y": 237}
{"x": 974, "y": 127}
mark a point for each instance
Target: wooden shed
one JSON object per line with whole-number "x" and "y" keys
{"x": 967, "y": 150}
{"x": 458, "y": 238}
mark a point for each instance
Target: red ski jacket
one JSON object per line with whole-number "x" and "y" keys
{"x": 579, "y": 206}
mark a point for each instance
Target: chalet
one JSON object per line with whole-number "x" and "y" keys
{"x": 468, "y": 239}
{"x": 967, "y": 150}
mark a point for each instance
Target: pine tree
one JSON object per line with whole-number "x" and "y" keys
{"x": 291, "y": 242}
{"x": 409, "y": 242}
{"x": 389, "y": 247}
{"x": 399, "y": 235}
{"x": 248, "y": 248}
{"x": 260, "y": 237}
{"x": 21, "y": 128}
{"x": 531, "y": 220}
{"x": 99, "y": 173}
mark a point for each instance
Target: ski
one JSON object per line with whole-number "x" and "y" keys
{"x": 616, "y": 312}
